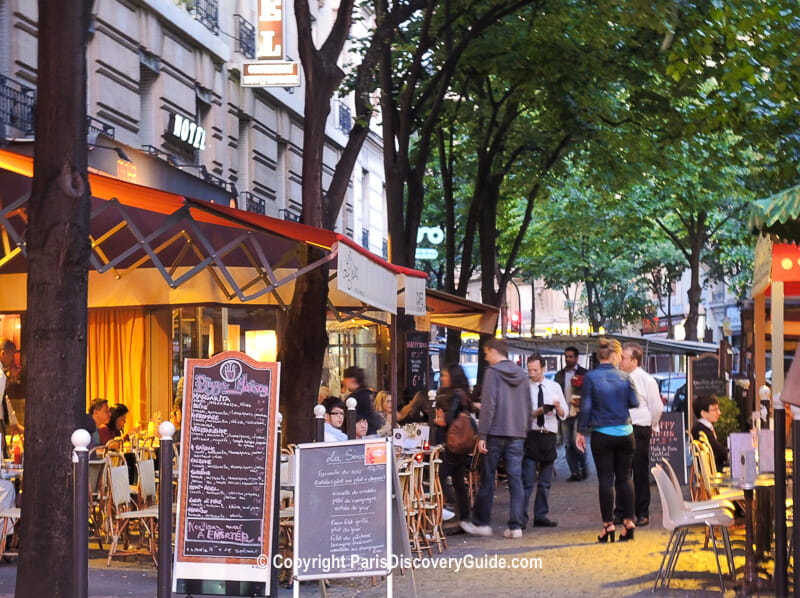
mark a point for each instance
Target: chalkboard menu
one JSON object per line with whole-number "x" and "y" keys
{"x": 224, "y": 527}
{"x": 705, "y": 378}
{"x": 343, "y": 507}
{"x": 417, "y": 361}
{"x": 670, "y": 444}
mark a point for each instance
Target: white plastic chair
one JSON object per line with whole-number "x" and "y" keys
{"x": 680, "y": 520}
{"x": 694, "y": 505}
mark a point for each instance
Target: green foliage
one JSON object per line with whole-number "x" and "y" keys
{"x": 729, "y": 419}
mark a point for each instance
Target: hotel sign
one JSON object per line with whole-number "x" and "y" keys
{"x": 270, "y": 73}
{"x": 186, "y": 131}
{"x": 270, "y": 30}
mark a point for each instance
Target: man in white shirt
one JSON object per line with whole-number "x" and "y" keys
{"x": 645, "y": 419}
{"x": 548, "y": 406}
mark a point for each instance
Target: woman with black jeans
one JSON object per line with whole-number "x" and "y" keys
{"x": 453, "y": 398}
{"x": 606, "y": 396}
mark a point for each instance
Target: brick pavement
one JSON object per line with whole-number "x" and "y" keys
{"x": 570, "y": 562}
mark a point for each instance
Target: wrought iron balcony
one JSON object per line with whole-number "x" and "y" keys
{"x": 253, "y": 203}
{"x": 245, "y": 37}
{"x": 345, "y": 117}
{"x": 97, "y": 127}
{"x": 365, "y": 238}
{"x": 16, "y": 105}
{"x": 207, "y": 12}
{"x": 289, "y": 215}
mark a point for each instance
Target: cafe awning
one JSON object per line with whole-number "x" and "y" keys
{"x": 778, "y": 215}
{"x": 150, "y": 247}
{"x": 456, "y": 312}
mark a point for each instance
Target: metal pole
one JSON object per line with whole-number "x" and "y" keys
{"x": 781, "y": 564}
{"x": 319, "y": 423}
{"x": 276, "y": 513}
{"x": 165, "y": 430}
{"x": 795, "y": 498}
{"x": 350, "y": 417}
{"x": 80, "y": 511}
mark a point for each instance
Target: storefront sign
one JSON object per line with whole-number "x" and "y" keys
{"x": 412, "y": 295}
{"x": 229, "y": 450}
{"x": 270, "y": 73}
{"x": 270, "y": 30}
{"x": 186, "y": 131}
{"x": 363, "y": 279}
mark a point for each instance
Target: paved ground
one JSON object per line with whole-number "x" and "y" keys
{"x": 563, "y": 561}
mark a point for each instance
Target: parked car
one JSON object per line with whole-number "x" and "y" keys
{"x": 668, "y": 385}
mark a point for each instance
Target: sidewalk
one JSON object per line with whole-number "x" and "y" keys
{"x": 561, "y": 562}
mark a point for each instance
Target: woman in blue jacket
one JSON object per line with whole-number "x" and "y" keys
{"x": 606, "y": 396}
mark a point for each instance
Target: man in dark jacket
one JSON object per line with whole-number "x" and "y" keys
{"x": 355, "y": 381}
{"x": 504, "y": 423}
{"x": 576, "y": 460}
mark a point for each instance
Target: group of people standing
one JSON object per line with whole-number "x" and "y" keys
{"x": 617, "y": 403}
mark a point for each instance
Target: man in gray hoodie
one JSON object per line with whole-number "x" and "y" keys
{"x": 504, "y": 423}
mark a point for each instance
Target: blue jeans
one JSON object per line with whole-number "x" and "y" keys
{"x": 575, "y": 459}
{"x": 510, "y": 450}
{"x": 542, "y": 482}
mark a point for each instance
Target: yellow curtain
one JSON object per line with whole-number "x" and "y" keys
{"x": 129, "y": 361}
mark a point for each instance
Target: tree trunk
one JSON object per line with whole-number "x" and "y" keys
{"x": 55, "y": 333}
{"x": 302, "y": 350}
{"x": 697, "y": 241}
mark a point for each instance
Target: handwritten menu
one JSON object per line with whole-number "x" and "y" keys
{"x": 228, "y": 462}
{"x": 342, "y": 508}
{"x": 705, "y": 378}
{"x": 417, "y": 360}
{"x": 670, "y": 444}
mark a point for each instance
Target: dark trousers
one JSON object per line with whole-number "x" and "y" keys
{"x": 576, "y": 460}
{"x": 613, "y": 456}
{"x": 641, "y": 473}
{"x": 641, "y": 470}
{"x": 455, "y": 467}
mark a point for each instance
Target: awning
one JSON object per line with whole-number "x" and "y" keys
{"x": 588, "y": 344}
{"x": 206, "y": 253}
{"x": 778, "y": 215}
{"x": 456, "y": 312}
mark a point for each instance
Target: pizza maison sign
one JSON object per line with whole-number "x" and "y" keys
{"x": 186, "y": 132}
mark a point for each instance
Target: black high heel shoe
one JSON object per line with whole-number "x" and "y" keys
{"x": 628, "y": 528}
{"x": 608, "y": 532}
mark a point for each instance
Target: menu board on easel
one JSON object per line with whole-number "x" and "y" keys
{"x": 670, "y": 443}
{"x": 229, "y": 447}
{"x": 343, "y": 509}
{"x": 417, "y": 360}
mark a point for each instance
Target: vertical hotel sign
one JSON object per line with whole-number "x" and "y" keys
{"x": 270, "y": 69}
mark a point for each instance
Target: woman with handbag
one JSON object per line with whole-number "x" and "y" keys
{"x": 453, "y": 404}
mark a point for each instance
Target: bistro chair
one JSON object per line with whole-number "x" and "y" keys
{"x": 433, "y": 503}
{"x": 679, "y": 521}
{"x": 694, "y": 505}
{"x": 124, "y": 511}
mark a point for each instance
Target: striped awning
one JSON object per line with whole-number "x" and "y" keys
{"x": 778, "y": 215}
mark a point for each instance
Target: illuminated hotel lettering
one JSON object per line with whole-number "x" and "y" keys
{"x": 270, "y": 29}
{"x": 187, "y": 131}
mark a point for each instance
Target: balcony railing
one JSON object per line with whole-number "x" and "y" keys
{"x": 97, "y": 127}
{"x": 207, "y": 12}
{"x": 365, "y": 238}
{"x": 254, "y": 204}
{"x": 289, "y": 215}
{"x": 245, "y": 37}
{"x": 345, "y": 118}
{"x": 16, "y": 105}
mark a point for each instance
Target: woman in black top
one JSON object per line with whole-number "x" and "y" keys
{"x": 453, "y": 398}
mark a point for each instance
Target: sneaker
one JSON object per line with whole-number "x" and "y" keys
{"x": 447, "y": 514}
{"x": 512, "y": 533}
{"x": 476, "y": 530}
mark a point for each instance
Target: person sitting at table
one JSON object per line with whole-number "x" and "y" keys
{"x": 98, "y": 416}
{"x": 416, "y": 411}
{"x": 707, "y": 412}
{"x": 112, "y": 434}
{"x": 334, "y": 419}
{"x": 384, "y": 406}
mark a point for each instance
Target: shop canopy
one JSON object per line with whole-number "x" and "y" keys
{"x": 456, "y": 312}
{"x": 776, "y": 274}
{"x": 152, "y": 248}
